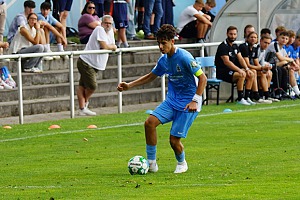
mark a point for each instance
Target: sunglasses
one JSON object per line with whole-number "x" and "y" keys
{"x": 91, "y": 7}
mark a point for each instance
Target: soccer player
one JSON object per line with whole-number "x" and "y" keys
{"x": 183, "y": 102}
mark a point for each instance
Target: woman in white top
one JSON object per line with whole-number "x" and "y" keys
{"x": 28, "y": 39}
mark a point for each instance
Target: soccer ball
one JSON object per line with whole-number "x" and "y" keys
{"x": 138, "y": 165}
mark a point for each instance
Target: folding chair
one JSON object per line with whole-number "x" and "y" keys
{"x": 208, "y": 63}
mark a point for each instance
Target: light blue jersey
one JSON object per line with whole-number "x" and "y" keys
{"x": 180, "y": 70}
{"x": 49, "y": 18}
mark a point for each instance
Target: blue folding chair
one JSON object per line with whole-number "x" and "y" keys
{"x": 208, "y": 66}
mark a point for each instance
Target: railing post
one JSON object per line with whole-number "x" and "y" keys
{"x": 71, "y": 79}
{"x": 20, "y": 91}
{"x": 120, "y": 99}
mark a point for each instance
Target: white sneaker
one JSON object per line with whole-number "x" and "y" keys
{"x": 153, "y": 167}
{"x": 33, "y": 70}
{"x": 53, "y": 57}
{"x": 86, "y": 112}
{"x": 1, "y": 87}
{"x": 264, "y": 101}
{"x": 250, "y": 101}
{"x": 243, "y": 102}
{"x": 273, "y": 99}
{"x": 48, "y": 58}
{"x": 181, "y": 167}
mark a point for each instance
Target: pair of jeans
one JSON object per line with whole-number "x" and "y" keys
{"x": 152, "y": 6}
{"x": 32, "y": 62}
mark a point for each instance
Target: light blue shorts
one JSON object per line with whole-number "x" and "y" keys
{"x": 182, "y": 120}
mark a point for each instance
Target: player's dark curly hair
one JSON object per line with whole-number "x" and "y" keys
{"x": 166, "y": 32}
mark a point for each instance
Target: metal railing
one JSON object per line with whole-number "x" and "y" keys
{"x": 71, "y": 55}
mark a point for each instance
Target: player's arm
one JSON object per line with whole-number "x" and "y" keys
{"x": 140, "y": 81}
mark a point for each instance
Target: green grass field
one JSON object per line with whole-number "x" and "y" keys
{"x": 250, "y": 153}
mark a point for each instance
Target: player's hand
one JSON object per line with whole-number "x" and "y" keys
{"x": 192, "y": 106}
{"x": 123, "y": 86}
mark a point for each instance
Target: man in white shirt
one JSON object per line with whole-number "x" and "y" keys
{"x": 193, "y": 23}
{"x": 89, "y": 64}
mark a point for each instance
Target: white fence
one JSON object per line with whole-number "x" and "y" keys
{"x": 18, "y": 57}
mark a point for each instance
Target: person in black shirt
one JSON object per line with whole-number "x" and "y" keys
{"x": 231, "y": 67}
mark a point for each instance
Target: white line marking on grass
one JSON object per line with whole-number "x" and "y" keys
{"x": 138, "y": 124}
{"x": 30, "y": 187}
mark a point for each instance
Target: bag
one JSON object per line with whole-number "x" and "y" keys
{"x": 6, "y": 77}
{"x": 71, "y": 32}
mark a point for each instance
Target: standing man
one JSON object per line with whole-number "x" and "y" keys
{"x": 89, "y": 64}
{"x": 184, "y": 98}
{"x": 232, "y": 68}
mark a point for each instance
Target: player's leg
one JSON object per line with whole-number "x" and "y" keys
{"x": 162, "y": 114}
{"x": 181, "y": 124}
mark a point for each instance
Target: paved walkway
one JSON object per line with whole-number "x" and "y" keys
{"x": 66, "y": 114}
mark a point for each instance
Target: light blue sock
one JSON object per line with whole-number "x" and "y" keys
{"x": 151, "y": 152}
{"x": 180, "y": 157}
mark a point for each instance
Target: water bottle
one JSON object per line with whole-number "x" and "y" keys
{"x": 213, "y": 74}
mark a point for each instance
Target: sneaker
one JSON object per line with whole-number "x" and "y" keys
{"x": 86, "y": 112}
{"x": 181, "y": 167}
{"x": 264, "y": 101}
{"x": 134, "y": 38}
{"x": 150, "y": 37}
{"x": 153, "y": 167}
{"x": 273, "y": 99}
{"x": 243, "y": 102}
{"x": 33, "y": 70}
{"x": 1, "y": 87}
{"x": 250, "y": 101}
{"x": 48, "y": 58}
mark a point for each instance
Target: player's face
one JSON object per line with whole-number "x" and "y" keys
{"x": 249, "y": 30}
{"x": 165, "y": 46}
{"x": 232, "y": 35}
{"x": 283, "y": 40}
{"x": 265, "y": 43}
{"x": 252, "y": 39}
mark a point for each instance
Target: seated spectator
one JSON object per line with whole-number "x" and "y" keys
{"x": 231, "y": 67}
{"x": 87, "y": 22}
{"x": 285, "y": 67}
{"x": 28, "y": 39}
{"x": 51, "y": 25}
{"x": 20, "y": 19}
{"x": 250, "y": 55}
{"x": 278, "y": 30}
{"x": 292, "y": 36}
{"x": 193, "y": 23}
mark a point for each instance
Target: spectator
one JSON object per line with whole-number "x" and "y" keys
{"x": 20, "y": 19}
{"x": 87, "y": 22}
{"x": 99, "y": 7}
{"x": 231, "y": 67}
{"x": 152, "y": 6}
{"x": 2, "y": 18}
{"x": 264, "y": 42}
{"x": 88, "y": 65}
{"x": 209, "y": 4}
{"x": 121, "y": 22}
{"x": 193, "y": 23}
{"x": 64, "y": 9}
{"x": 140, "y": 17}
{"x": 285, "y": 66}
{"x": 28, "y": 39}
{"x": 2, "y": 21}
{"x": 168, "y": 14}
{"x": 292, "y": 36}
{"x": 51, "y": 26}
{"x": 250, "y": 54}
{"x": 183, "y": 100}
{"x": 130, "y": 30}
